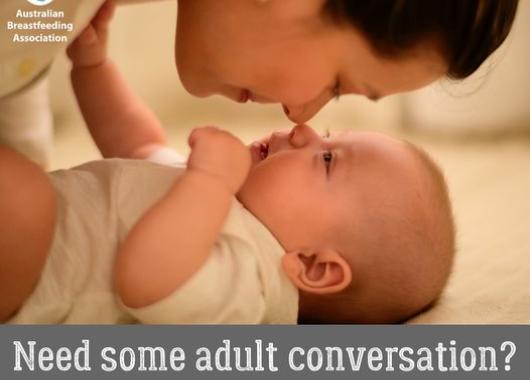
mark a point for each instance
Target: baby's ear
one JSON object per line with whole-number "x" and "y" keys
{"x": 322, "y": 272}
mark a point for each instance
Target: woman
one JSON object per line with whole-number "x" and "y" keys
{"x": 299, "y": 53}
{"x": 302, "y": 53}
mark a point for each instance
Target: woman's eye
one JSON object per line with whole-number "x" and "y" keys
{"x": 336, "y": 90}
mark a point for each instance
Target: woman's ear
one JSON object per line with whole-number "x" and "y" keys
{"x": 323, "y": 272}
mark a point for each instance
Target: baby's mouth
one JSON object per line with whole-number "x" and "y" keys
{"x": 259, "y": 151}
{"x": 264, "y": 151}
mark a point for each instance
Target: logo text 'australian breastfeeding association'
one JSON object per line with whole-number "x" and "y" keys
{"x": 40, "y": 2}
{"x": 44, "y": 25}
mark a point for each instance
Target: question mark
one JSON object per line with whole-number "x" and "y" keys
{"x": 513, "y": 348}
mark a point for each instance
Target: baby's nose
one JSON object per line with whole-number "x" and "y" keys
{"x": 302, "y": 135}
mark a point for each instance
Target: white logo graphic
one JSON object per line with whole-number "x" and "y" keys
{"x": 40, "y": 3}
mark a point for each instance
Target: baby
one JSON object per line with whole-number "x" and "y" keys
{"x": 350, "y": 228}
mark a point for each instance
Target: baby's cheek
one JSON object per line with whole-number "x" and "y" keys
{"x": 276, "y": 175}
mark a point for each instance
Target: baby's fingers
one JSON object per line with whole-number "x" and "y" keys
{"x": 87, "y": 36}
{"x": 192, "y": 138}
{"x": 87, "y": 49}
{"x": 105, "y": 13}
{"x": 200, "y": 133}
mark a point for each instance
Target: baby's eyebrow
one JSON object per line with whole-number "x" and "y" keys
{"x": 346, "y": 162}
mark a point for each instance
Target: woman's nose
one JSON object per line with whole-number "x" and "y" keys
{"x": 300, "y": 114}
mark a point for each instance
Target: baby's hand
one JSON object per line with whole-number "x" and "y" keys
{"x": 220, "y": 154}
{"x": 90, "y": 47}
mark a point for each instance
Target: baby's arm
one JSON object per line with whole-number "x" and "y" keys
{"x": 174, "y": 238}
{"x": 119, "y": 122}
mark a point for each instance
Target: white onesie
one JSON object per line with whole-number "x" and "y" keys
{"x": 99, "y": 202}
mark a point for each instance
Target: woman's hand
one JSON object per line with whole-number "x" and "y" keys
{"x": 90, "y": 47}
{"x": 219, "y": 154}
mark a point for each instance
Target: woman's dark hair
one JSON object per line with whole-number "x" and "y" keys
{"x": 469, "y": 31}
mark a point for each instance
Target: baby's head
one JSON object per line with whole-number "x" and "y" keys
{"x": 364, "y": 219}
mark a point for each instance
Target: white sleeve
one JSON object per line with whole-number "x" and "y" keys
{"x": 226, "y": 290}
{"x": 166, "y": 156}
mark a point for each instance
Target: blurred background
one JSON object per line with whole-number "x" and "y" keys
{"x": 477, "y": 130}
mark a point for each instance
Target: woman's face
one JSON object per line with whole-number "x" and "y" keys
{"x": 288, "y": 52}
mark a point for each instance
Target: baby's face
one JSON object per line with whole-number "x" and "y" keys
{"x": 313, "y": 191}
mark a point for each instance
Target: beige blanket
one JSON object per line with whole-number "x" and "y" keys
{"x": 490, "y": 186}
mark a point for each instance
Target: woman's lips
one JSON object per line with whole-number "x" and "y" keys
{"x": 245, "y": 96}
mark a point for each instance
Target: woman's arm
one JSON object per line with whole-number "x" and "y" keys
{"x": 174, "y": 238}
{"x": 119, "y": 122}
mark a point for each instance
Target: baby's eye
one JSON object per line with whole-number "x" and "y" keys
{"x": 328, "y": 158}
